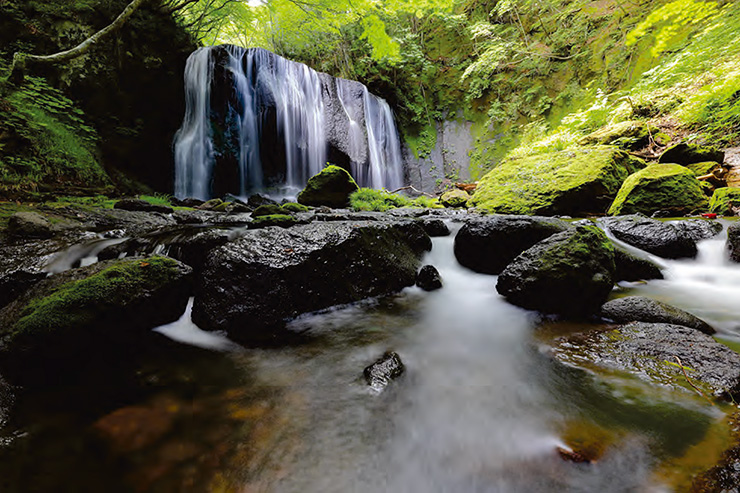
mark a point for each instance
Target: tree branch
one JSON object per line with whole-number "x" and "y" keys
{"x": 22, "y": 60}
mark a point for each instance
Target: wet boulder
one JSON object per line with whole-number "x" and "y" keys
{"x": 571, "y": 182}
{"x": 487, "y": 245}
{"x": 434, "y": 227}
{"x": 29, "y": 225}
{"x": 71, "y": 317}
{"x": 733, "y": 241}
{"x": 632, "y": 268}
{"x": 642, "y": 309}
{"x": 280, "y": 220}
{"x": 428, "y": 278}
{"x": 15, "y": 283}
{"x": 660, "y": 187}
{"x": 142, "y": 206}
{"x": 685, "y": 154}
{"x": 698, "y": 229}
{"x": 388, "y": 367}
{"x": 658, "y": 353}
{"x": 653, "y": 236}
{"x": 250, "y": 286}
{"x": 570, "y": 273}
{"x": 331, "y": 187}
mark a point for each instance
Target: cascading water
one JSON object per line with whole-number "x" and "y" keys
{"x": 266, "y": 122}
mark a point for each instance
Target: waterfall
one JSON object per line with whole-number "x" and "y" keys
{"x": 256, "y": 121}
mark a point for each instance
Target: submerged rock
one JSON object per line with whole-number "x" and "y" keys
{"x": 331, "y": 187}
{"x": 29, "y": 225}
{"x": 642, "y": 309}
{"x": 569, "y": 273}
{"x": 632, "y": 268}
{"x": 428, "y": 278}
{"x": 653, "y": 236}
{"x": 489, "y": 244}
{"x": 649, "y": 350}
{"x": 386, "y": 368}
{"x": 250, "y": 286}
{"x": 571, "y": 182}
{"x": 62, "y": 320}
{"x": 660, "y": 187}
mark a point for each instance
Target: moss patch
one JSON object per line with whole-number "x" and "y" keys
{"x": 331, "y": 187}
{"x": 569, "y": 182}
{"x": 626, "y": 135}
{"x": 282, "y": 220}
{"x": 294, "y": 208}
{"x": 79, "y": 304}
{"x": 660, "y": 187}
{"x": 725, "y": 201}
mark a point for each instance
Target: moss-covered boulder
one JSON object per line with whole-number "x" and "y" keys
{"x": 100, "y": 308}
{"x": 629, "y": 135}
{"x": 252, "y": 285}
{"x": 703, "y": 168}
{"x": 725, "y": 201}
{"x": 572, "y": 182}
{"x": 660, "y": 187}
{"x": 268, "y": 210}
{"x": 488, "y": 244}
{"x": 294, "y": 208}
{"x": 331, "y": 187}
{"x": 282, "y": 220}
{"x": 455, "y": 198}
{"x": 569, "y": 273}
{"x": 684, "y": 154}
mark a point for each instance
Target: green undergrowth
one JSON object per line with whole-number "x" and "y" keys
{"x": 78, "y": 303}
{"x": 368, "y": 199}
{"x": 45, "y": 142}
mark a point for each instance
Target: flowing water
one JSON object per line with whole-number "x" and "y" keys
{"x": 271, "y": 99}
{"x": 480, "y": 408}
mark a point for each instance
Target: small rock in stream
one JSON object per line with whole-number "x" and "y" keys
{"x": 428, "y": 278}
{"x": 385, "y": 369}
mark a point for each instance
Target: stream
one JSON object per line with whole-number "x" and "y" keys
{"x": 480, "y": 408}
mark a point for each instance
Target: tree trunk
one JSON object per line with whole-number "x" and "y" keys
{"x": 21, "y": 61}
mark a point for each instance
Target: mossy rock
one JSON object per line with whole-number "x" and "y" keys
{"x": 212, "y": 205}
{"x": 96, "y": 308}
{"x": 294, "y": 208}
{"x": 703, "y": 168}
{"x": 684, "y": 154}
{"x": 268, "y": 210}
{"x": 629, "y": 135}
{"x": 725, "y": 201}
{"x": 571, "y": 182}
{"x": 454, "y": 198}
{"x": 660, "y": 187}
{"x": 331, "y": 187}
{"x": 569, "y": 273}
{"x": 282, "y": 220}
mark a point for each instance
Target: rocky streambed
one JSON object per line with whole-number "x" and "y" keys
{"x": 514, "y": 375}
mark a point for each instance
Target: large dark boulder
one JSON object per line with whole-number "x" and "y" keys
{"x": 13, "y": 284}
{"x": 649, "y": 350}
{"x": 633, "y": 268}
{"x": 250, "y": 286}
{"x": 653, "y": 236}
{"x": 67, "y": 319}
{"x": 642, "y": 309}
{"x": 331, "y": 187}
{"x": 434, "y": 226}
{"x": 489, "y": 244}
{"x": 569, "y": 273}
{"x": 698, "y": 229}
{"x": 733, "y": 241}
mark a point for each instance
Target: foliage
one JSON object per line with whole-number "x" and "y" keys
{"x": 368, "y": 199}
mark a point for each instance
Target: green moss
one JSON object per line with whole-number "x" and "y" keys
{"x": 80, "y": 303}
{"x": 725, "y": 201}
{"x": 331, "y": 187}
{"x": 368, "y": 199}
{"x": 660, "y": 187}
{"x": 293, "y": 207}
{"x": 703, "y": 168}
{"x": 626, "y": 135}
{"x": 567, "y": 182}
{"x": 282, "y": 220}
{"x": 268, "y": 210}
{"x": 455, "y": 198}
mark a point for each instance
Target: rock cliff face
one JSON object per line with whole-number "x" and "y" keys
{"x": 256, "y": 120}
